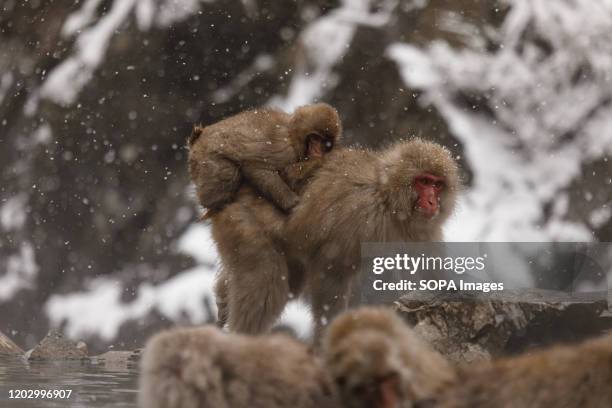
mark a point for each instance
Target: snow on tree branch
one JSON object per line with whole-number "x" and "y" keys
{"x": 325, "y": 41}
{"x": 536, "y": 107}
{"x": 94, "y": 34}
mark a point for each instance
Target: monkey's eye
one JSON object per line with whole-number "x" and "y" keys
{"x": 429, "y": 181}
{"x": 424, "y": 181}
{"x": 328, "y": 144}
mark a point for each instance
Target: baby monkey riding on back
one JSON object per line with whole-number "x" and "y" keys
{"x": 259, "y": 146}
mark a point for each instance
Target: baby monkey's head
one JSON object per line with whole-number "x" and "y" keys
{"x": 317, "y": 128}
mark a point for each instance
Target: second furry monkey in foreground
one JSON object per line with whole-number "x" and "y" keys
{"x": 257, "y": 145}
{"x": 376, "y": 360}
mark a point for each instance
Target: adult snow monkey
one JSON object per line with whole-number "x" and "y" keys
{"x": 403, "y": 193}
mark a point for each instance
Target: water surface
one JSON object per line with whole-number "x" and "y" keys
{"x": 92, "y": 385}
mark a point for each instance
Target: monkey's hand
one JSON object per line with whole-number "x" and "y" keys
{"x": 292, "y": 201}
{"x": 297, "y": 174}
{"x": 271, "y": 185}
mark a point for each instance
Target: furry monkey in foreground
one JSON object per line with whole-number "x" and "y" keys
{"x": 206, "y": 368}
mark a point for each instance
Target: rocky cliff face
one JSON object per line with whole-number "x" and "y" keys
{"x": 97, "y": 97}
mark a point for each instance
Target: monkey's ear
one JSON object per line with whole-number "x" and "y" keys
{"x": 195, "y": 134}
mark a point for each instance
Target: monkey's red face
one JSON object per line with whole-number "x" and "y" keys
{"x": 428, "y": 188}
{"x": 317, "y": 145}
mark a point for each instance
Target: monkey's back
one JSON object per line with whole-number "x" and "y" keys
{"x": 206, "y": 368}
{"x": 345, "y": 195}
{"x": 256, "y": 136}
{"x": 564, "y": 376}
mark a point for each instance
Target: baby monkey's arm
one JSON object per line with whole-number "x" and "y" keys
{"x": 270, "y": 184}
{"x": 297, "y": 174}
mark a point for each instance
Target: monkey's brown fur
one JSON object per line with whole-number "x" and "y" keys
{"x": 370, "y": 359}
{"x": 564, "y": 376}
{"x": 368, "y": 346}
{"x": 368, "y": 349}
{"x": 256, "y": 145}
{"x": 206, "y": 368}
{"x": 356, "y": 196}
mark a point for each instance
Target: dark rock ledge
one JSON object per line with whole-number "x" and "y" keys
{"x": 472, "y": 328}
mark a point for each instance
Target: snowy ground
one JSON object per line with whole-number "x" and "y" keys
{"x": 99, "y": 310}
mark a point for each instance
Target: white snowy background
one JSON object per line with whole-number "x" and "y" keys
{"x": 525, "y": 95}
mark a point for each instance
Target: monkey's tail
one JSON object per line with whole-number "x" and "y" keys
{"x": 195, "y": 134}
